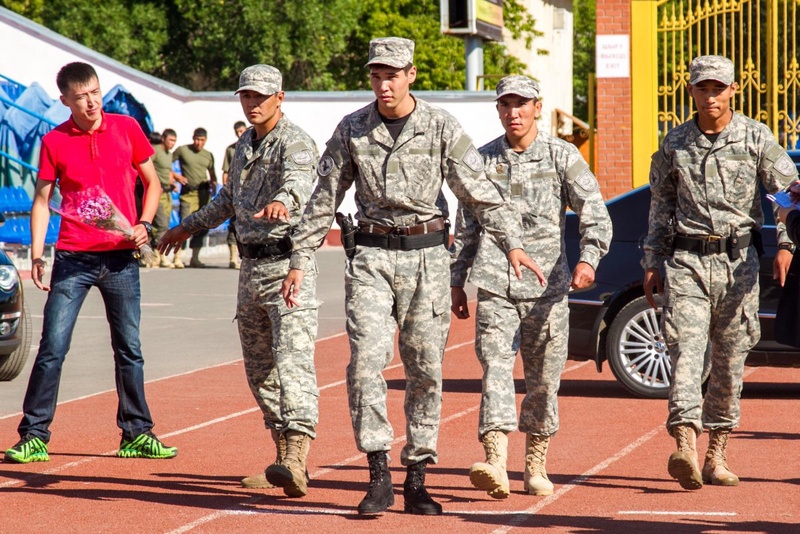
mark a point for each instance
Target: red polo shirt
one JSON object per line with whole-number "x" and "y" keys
{"x": 108, "y": 157}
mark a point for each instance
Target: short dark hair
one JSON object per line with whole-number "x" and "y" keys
{"x": 168, "y": 132}
{"x": 200, "y": 132}
{"x": 154, "y": 138}
{"x": 77, "y": 72}
{"x": 239, "y": 124}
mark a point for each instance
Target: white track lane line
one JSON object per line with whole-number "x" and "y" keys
{"x": 234, "y": 510}
{"x": 668, "y": 512}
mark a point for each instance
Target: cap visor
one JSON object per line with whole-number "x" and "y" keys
{"x": 255, "y": 88}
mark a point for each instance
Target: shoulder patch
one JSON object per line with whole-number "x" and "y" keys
{"x": 785, "y": 166}
{"x": 473, "y": 160}
{"x": 655, "y": 178}
{"x": 325, "y": 166}
{"x": 304, "y": 157}
{"x": 587, "y": 181}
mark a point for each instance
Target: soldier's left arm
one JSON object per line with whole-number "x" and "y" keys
{"x": 776, "y": 171}
{"x": 462, "y": 167}
{"x": 583, "y": 196}
{"x": 299, "y": 172}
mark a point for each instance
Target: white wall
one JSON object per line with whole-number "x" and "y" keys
{"x": 554, "y": 70}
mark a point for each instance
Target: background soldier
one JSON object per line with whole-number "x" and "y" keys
{"x": 238, "y": 128}
{"x": 162, "y": 160}
{"x": 273, "y": 166}
{"x": 704, "y": 181}
{"x": 540, "y": 176}
{"x": 398, "y": 151}
{"x": 196, "y": 187}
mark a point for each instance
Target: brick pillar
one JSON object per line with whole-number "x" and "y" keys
{"x": 614, "y": 149}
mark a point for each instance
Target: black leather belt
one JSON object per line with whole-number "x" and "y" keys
{"x": 260, "y": 251}
{"x": 711, "y": 244}
{"x": 402, "y": 242}
{"x": 186, "y": 188}
{"x": 428, "y": 227}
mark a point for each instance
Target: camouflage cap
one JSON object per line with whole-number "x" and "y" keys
{"x": 262, "y": 79}
{"x": 392, "y": 51}
{"x": 517, "y": 85}
{"x": 711, "y": 68}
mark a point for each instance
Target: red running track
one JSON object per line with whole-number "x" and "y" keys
{"x": 608, "y": 462}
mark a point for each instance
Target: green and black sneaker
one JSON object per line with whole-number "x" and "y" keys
{"x": 28, "y": 449}
{"x": 145, "y": 445}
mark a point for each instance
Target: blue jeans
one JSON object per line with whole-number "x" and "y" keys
{"x": 116, "y": 275}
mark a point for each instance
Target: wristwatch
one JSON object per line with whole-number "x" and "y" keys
{"x": 787, "y": 246}
{"x": 148, "y": 227}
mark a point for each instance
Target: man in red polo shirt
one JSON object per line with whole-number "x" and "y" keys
{"x": 91, "y": 149}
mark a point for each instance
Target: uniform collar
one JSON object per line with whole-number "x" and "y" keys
{"x": 378, "y": 133}
{"x": 534, "y": 152}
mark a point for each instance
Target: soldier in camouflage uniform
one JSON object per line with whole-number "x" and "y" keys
{"x": 273, "y": 166}
{"x": 540, "y": 176}
{"x": 398, "y": 151}
{"x": 704, "y": 182}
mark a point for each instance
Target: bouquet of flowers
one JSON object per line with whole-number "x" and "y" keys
{"x": 93, "y": 207}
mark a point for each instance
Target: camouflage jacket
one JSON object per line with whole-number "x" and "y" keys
{"x": 704, "y": 189}
{"x": 540, "y": 183}
{"x": 280, "y": 169}
{"x": 399, "y": 183}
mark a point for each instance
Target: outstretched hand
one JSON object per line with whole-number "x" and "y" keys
{"x": 519, "y": 259}
{"x": 290, "y": 289}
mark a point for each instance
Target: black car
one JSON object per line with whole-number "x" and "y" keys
{"x": 611, "y": 321}
{"x": 15, "y": 321}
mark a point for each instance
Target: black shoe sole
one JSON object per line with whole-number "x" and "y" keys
{"x": 377, "y": 511}
{"x": 409, "y": 509}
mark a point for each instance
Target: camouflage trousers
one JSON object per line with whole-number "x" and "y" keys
{"x": 389, "y": 290}
{"x": 278, "y": 344}
{"x": 539, "y": 330}
{"x": 709, "y": 299}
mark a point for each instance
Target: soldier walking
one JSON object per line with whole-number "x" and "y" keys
{"x": 273, "y": 166}
{"x": 398, "y": 151}
{"x": 704, "y": 182}
{"x": 540, "y": 175}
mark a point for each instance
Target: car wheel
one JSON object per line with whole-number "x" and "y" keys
{"x": 636, "y": 350}
{"x": 11, "y": 364}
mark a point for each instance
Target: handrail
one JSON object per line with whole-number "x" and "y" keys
{"x": 6, "y": 78}
{"x": 16, "y": 160}
{"x": 26, "y": 110}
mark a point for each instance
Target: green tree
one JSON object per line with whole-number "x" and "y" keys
{"x": 583, "y": 55}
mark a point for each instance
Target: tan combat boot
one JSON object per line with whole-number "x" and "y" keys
{"x": 195, "y": 262}
{"x": 177, "y": 262}
{"x": 715, "y": 467}
{"x": 290, "y": 473}
{"x": 683, "y": 465}
{"x": 165, "y": 263}
{"x": 535, "y": 475}
{"x": 491, "y": 475}
{"x": 260, "y": 481}
{"x": 234, "y": 261}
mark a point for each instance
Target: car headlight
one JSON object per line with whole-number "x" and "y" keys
{"x": 8, "y": 278}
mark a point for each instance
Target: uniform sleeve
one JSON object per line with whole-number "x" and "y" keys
{"x": 216, "y": 212}
{"x": 777, "y": 171}
{"x": 299, "y": 165}
{"x": 463, "y": 170}
{"x": 583, "y": 194}
{"x": 466, "y": 239}
{"x": 663, "y": 188}
{"x": 335, "y": 176}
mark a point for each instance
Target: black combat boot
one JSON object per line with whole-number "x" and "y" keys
{"x": 416, "y": 496}
{"x": 380, "y": 494}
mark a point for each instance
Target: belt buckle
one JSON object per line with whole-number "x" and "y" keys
{"x": 394, "y": 241}
{"x": 712, "y": 244}
{"x": 401, "y": 230}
